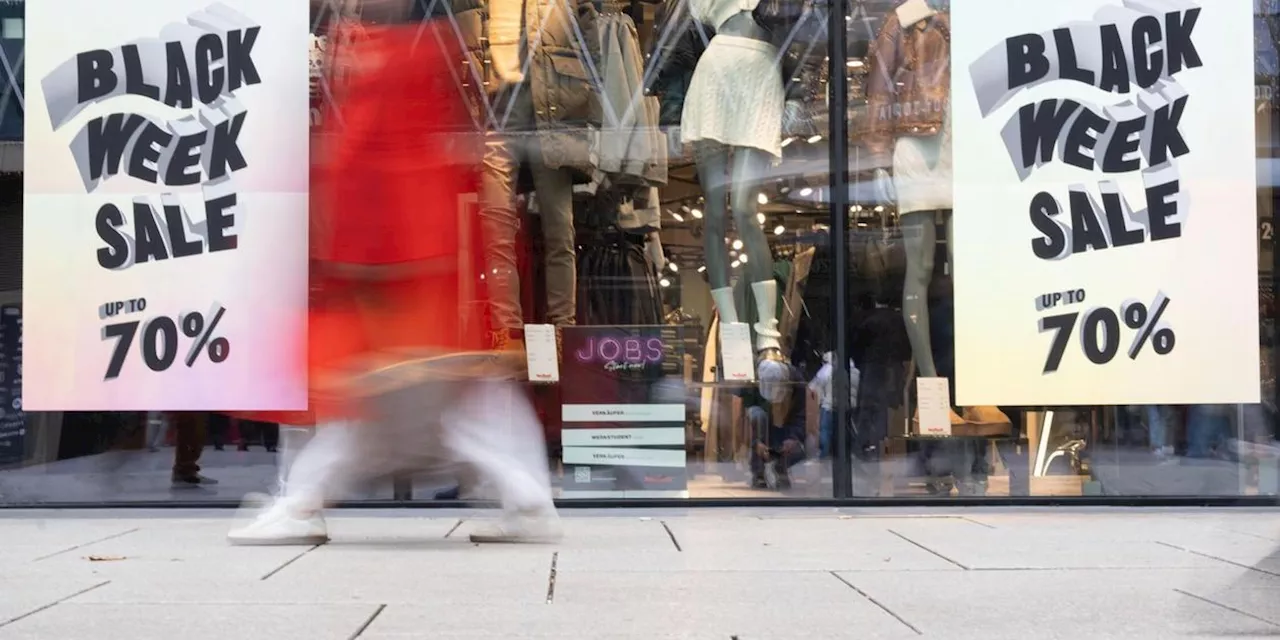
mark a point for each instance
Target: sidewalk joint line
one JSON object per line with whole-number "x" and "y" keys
{"x": 1227, "y": 607}
{"x": 54, "y": 603}
{"x": 977, "y": 522}
{"x": 86, "y": 544}
{"x": 367, "y": 623}
{"x": 931, "y": 551}
{"x": 551, "y": 579}
{"x": 455, "y": 527}
{"x": 290, "y": 561}
{"x": 1213, "y": 557}
{"x": 671, "y": 534}
{"x": 876, "y": 603}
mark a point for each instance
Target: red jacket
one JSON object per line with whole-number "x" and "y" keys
{"x": 387, "y": 192}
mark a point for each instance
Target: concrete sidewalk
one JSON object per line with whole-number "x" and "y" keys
{"x": 773, "y": 574}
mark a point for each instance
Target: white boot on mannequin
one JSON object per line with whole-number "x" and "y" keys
{"x": 771, "y": 369}
{"x": 723, "y": 298}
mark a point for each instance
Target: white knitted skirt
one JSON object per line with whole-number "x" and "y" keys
{"x": 735, "y": 96}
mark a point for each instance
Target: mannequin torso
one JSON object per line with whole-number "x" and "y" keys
{"x": 743, "y": 25}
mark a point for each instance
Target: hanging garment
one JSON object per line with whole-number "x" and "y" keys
{"x": 628, "y": 149}
{"x": 677, "y": 43}
{"x": 616, "y": 282}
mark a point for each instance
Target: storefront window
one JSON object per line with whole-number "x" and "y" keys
{"x": 1045, "y": 268}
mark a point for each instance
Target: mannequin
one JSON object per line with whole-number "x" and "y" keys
{"x": 909, "y": 130}
{"x": 733, "y": 117}
{"x": 538, "y": 112}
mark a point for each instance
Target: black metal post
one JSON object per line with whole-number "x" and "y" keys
{"x": 837, "y": 36}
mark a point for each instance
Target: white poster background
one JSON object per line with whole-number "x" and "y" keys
{"x": 262, "y": 284}
{"x": 1209, "y": 274}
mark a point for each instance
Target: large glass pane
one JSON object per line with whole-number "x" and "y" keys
{"x": 960, "y": 294}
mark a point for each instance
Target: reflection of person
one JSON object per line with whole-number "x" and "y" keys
{"x": 189, "y": 432}
{"x": 774, "y": 451}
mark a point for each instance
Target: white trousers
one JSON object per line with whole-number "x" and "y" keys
{"x": 485, "y": 432}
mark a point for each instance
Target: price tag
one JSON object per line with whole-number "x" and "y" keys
{"x": 540, "y": 351}
{"x": 933, "y": 401}
{"x": 735, "y": 352}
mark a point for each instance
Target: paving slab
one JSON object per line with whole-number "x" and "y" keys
{"x": 688, "y": 573}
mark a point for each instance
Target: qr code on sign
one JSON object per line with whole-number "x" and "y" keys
{"x": 582, "y": 475}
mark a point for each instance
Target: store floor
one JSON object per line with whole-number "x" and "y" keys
{"x": 707, "y": 574}
{"x": 143, "y": 476}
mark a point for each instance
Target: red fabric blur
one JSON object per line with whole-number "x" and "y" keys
{"x": 387, "y": 193}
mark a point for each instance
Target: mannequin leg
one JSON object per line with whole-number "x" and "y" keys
{"x": 713, "y": 164}
{"x": 920, "y": 235}
{"x": 555, "y": 202}
{"x": 749, "y": 167}
{"x": 500, "y": 224}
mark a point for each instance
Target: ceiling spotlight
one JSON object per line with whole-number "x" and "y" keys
{"x": 735, "y": 264}
{"x": 854, "y": 64}
{"x": 879, "y": 208}
{"x": 813, "y": 139}
{"x": 779, "y": 230}
{"x": 806, "y": 192}
{"x": 737, "y": 245}
{"x": 696, "y": 213}
{"x": 675, "y": 268}
{"x": 742, "y": 258}
{"x": 760, "y": 218}
{"x": 678, "y": 217}
{"x": 788, "y": 141}
{"x": 664, "y": 282}
{"x": 762, "y": 199}
{"x": 702, "y": 269}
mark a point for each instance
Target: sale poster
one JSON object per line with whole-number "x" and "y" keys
{"x": 165, "y": 205}
{"x": 1105, "y": 202}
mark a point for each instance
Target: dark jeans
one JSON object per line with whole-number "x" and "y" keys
{"x": 777, "y": 457}
{"x": 266, "y": 432}
{"x": 189, "y": 436}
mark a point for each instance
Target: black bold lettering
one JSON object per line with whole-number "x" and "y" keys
{"x": 1166, "y": 139}
{"x": 178, "y": 242}
{"x": 177, "y": 90}
{"x": 94, "y": 75}
{"x": 1121, "y": 234}
{"x": 134, "y": 83}
{"x": 1026, "y": 59}
{"x": 1052, "y": 244}
{"x": 150, "y": 239}
{"x": 1115, "y": 66}
{"x": 1068, "y": 67}
{"x": 108, "y": 138}
{"x": 186, "y": 155}
{"x": 1148, "y": 65}
{"x": 209, "y": 78}
{"x": 1126, "y": 139}
{"x": 1086, "y": 230}
{"x": 220, "y": 218}
{"x": 1040, "y": 125}
{"x": 1178, "y": 26}
{"x": 241, "y": 71}
{"x": 224, "y": 150}
{"x": 1161, "y": 206}
{"x": 108, "y": 223}
{"x": 1079, "y": 139}
{"x": 150, "y": 142}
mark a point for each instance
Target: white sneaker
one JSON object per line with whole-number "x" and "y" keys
{"x": 279, "y": 526}
{"x": 541, "y": 528}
